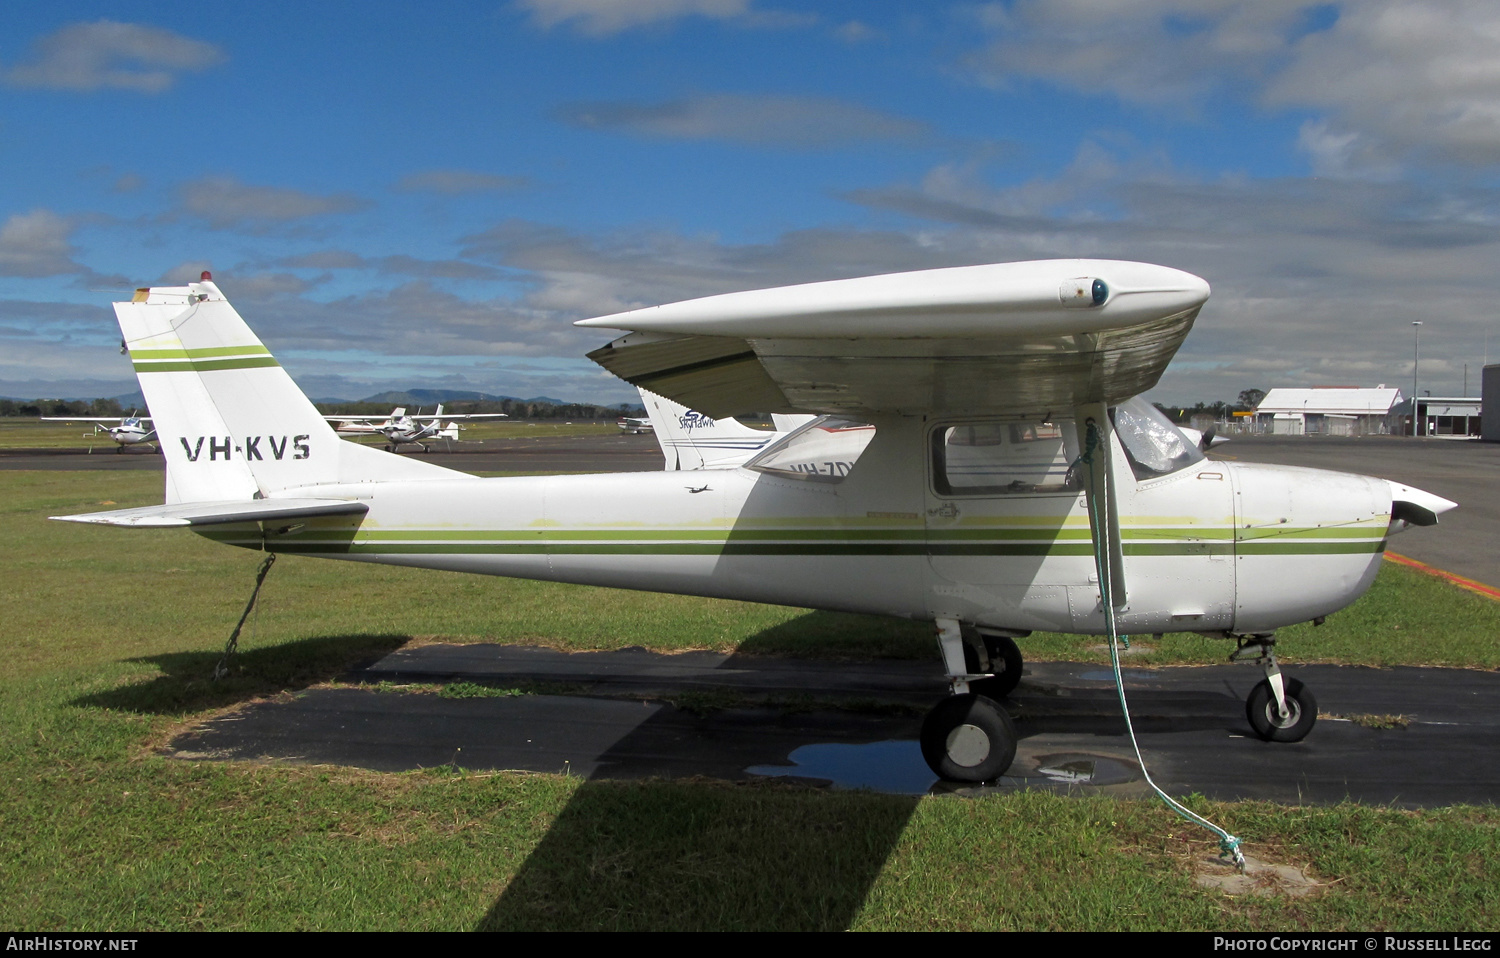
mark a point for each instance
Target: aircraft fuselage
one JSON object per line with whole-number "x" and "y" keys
{"x": 1215, "y": 546}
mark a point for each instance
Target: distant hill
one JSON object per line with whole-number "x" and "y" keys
{"x": 424, "y": 397}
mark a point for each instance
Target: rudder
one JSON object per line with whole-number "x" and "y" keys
{"x": 232, "y": 424}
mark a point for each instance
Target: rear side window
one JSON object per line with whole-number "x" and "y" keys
{"x": 1005, "y": 458}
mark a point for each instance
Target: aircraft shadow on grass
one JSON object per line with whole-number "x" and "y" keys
{"x": 637, "y": 847}
{"x": 662, "y": 856}
{"x": 186, "y": 681}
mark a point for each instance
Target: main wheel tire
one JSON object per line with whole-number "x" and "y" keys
{"x": 1302, "y": 712}
{"x": 968, "y": 738}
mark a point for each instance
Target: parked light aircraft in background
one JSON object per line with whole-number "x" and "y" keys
{"x": 127, "y": 430}
{"x": 979, "y": 462}
{"x": 399, "y": 429}
{"x": 691, "y": 440}
{"x": 634, "y": 426}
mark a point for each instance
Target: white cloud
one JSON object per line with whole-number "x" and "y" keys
{"x": 106, "y": 54}
{"x": 1151, "y": 51}
{"x": 454, "y": 182}
{"x": 1422, "y": 76}
{"x": 857, "y": 31}
{"x": 598, "y": 18}
{"x": 1315, "y": 281}
{"x": 783, "y": 121}
{"x": 1393, "y": 78}
{"x": 226, "y": 203}
{"x": 389, "y": 265}
{"x": 37, "y": 244}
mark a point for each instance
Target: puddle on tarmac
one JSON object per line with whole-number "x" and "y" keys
{"x": 1073, "y": 768}
{"x": 897, "y": 768}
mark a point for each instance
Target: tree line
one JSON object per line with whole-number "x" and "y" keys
{"x": 1249, "y": 399}
{"x": 514, "y": 408}
{"x": 34, "y": 408}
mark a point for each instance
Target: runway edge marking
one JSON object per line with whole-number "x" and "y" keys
{"x": 1489, "y": 592}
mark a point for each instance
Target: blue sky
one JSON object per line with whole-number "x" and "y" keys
{"x": 398, "y": 196}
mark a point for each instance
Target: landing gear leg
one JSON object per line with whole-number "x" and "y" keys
{"x": 967, "y": 737}
{"x": 1279, "y": 709}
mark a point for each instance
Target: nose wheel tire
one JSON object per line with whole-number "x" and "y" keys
{"x": 1301, "y": 708}
{"x": 968, "y": 738}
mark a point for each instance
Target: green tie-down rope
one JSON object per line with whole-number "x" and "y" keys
{"x": 1229, "y": 845}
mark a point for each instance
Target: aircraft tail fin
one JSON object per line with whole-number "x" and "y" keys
{"x": 691, "y": 440}
{"x": 232, "y": 424}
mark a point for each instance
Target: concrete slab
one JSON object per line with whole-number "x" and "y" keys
{"x": 626, "y": 721}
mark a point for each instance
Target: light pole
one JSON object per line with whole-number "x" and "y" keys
{"x": 1416, "y": 335}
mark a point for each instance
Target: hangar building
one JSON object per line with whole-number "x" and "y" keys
{"x": 1330, "y": 411}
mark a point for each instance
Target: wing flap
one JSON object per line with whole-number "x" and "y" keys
{"x": 716, "y": 375}
{"x": 214, "y": 513}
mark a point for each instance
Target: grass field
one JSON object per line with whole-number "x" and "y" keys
{"x": 109, "y": 636}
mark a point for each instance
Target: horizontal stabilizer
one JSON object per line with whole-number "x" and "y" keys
{"x": 214, "y": 513}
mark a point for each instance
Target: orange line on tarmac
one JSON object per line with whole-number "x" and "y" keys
{"x": 1488, "y": 592}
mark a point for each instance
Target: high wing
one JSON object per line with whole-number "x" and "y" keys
{"x": 1012, "y": 337}
{"x": 143, "y": 420}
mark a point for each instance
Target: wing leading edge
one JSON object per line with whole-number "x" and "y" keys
{"x": 1010, "y": 337}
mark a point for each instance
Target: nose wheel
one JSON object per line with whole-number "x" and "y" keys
{"x": 968, "y": 738}
{"x": 1279, "y": 709}
{"x": 1289, "y": 723}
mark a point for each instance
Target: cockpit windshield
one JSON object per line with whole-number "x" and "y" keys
{"x": 1154, "y": 446}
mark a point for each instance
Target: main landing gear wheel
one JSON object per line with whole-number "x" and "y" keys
{"x": 968, "y": 738}
{"x": 1301, "y": 708}
{"x": 1005, "y": 662}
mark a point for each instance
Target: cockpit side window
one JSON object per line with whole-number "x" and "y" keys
{"x": 1154, "y": 446}
{"x": 824, "y": 450}
{"x": 1005, "y": 458}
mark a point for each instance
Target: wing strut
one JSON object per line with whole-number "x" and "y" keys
{"x": 1094, "y": 428}
{"x": 1094, "y": 432}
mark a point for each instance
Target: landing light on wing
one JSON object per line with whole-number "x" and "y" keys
{"x": 1083, "y": 292}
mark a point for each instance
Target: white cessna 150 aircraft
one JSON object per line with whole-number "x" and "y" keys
{"x": 126, "y": 430}
{"x": 399, "y": 429}
{"x": 979, "y": 463}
